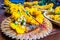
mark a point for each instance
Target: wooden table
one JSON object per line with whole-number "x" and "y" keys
{"x": 55, "y": 35}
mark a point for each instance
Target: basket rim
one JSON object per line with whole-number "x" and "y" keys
{"x": 49, "y": 17}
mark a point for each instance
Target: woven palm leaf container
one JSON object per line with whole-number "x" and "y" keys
{"x": 35, "y": 34}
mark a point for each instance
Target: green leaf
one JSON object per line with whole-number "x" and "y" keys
{"x": 58, "y": 13}
{"x": 36, "y": 5}
{"x": 27, "y": 12}
{"x": 22, "y": 22}
{"x": 18, "y": 12}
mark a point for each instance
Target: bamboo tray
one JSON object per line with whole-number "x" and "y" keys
{"x": 35, "y": 34}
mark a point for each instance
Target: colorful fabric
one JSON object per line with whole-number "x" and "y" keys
{"x": 17, "y": 1}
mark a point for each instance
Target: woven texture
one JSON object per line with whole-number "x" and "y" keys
{"x": 35, "y": 34}
{"x": 53, "y": 36}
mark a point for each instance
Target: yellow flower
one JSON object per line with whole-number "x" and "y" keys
{"x": 15, "y": 15}
{"x": 29, "y": 18}
{"x": 56, "y": 17}
{"x": 38, "y": 12}
{"x": 13, "y": 26}
{"x": 27, "y": 8}
{"x": 34, "y": 22}
{"x": 7, "y": 2}
{"x": 28, "y": 3}
{"x": 51, "y": 4}
{"x": 21, "y": 29}
{"x": 41, "y": 7}
{"x": 32, "y": 10}
{"x": 40, "y": 20}
{"x": 48, "y": 6}
{"x": 52, "y": 16}
{"x": 57, "y": 9}
{"x": 40, "y": 16}
{"x": 35, "y": 2}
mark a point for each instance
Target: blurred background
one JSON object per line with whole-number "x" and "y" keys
{"x": 1, "y": 1}
{"x": 41, "y": 2}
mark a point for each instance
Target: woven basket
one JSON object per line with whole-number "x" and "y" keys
{"x": 53, "y": 21}
{"x": 35, "y": 34}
